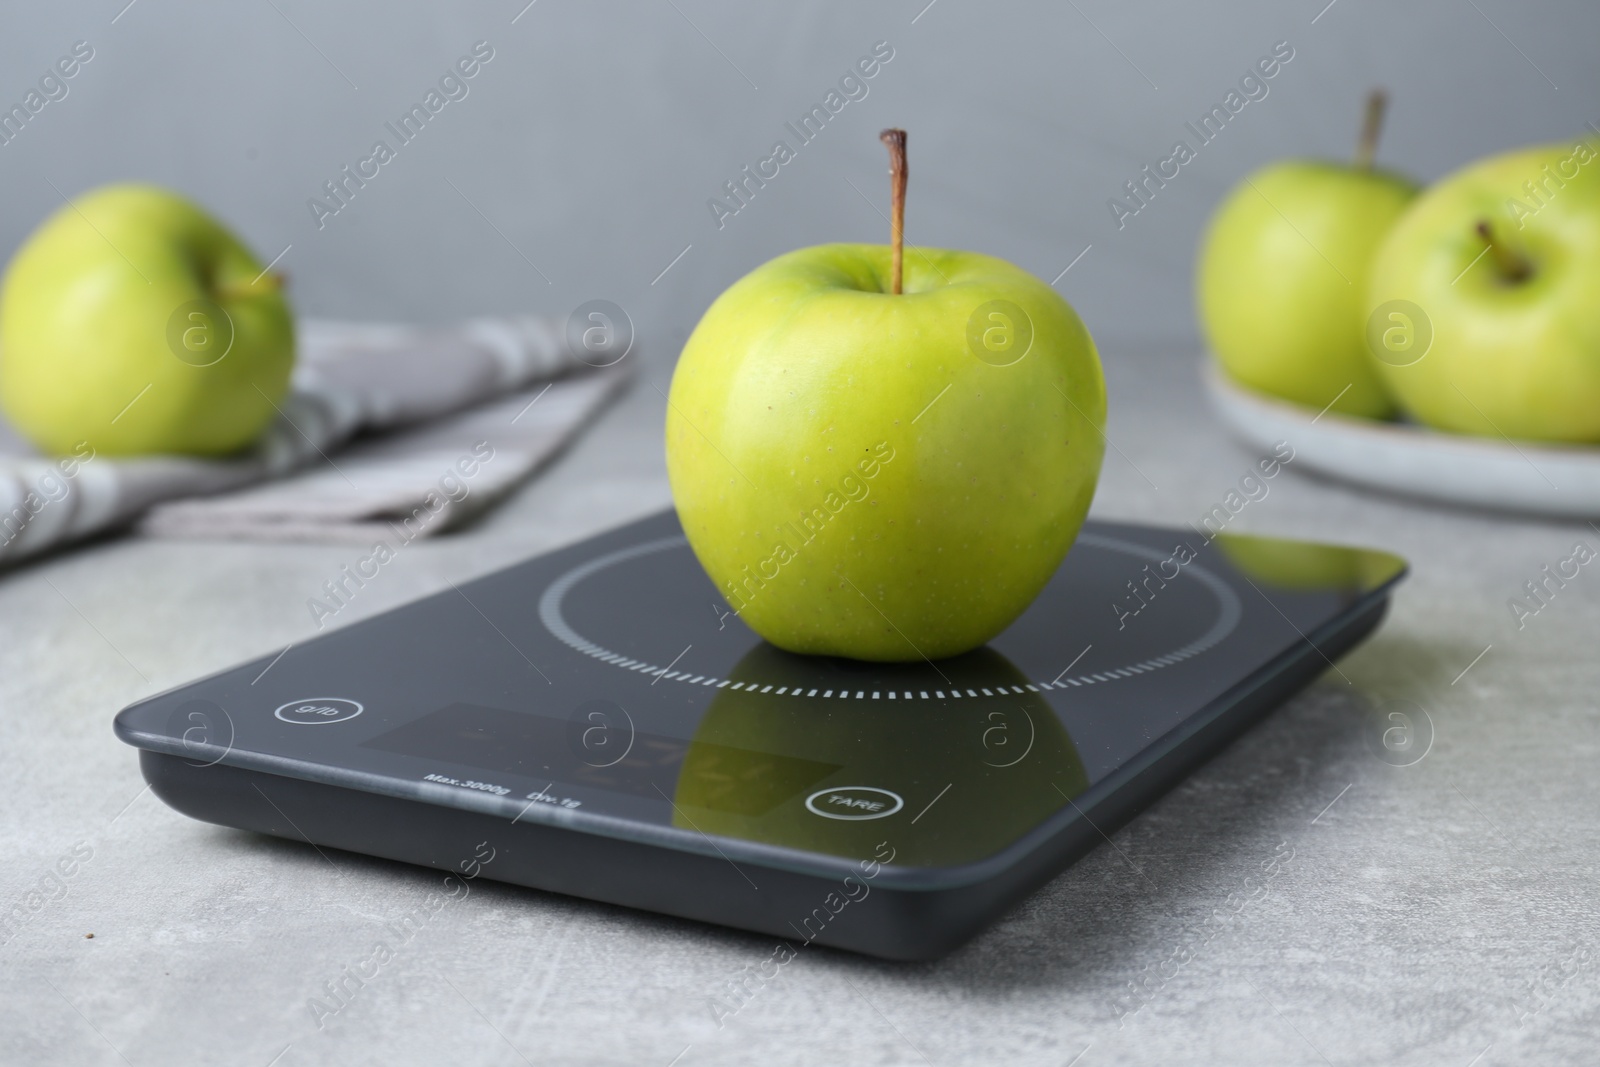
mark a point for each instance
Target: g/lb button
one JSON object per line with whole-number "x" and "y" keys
{"x": 854, "y": 802}
{"x": 319, "y": 711}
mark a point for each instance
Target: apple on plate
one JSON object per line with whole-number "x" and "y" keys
{"x": 884, "y": 456}
{"x": 134, "y": 321}
{"x": 1490, "y": 284}
{"x": 1282, "y": 276}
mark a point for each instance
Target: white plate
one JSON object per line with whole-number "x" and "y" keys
{"x": 1408, "y": 460}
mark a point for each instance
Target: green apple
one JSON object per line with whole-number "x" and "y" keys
{"x": 1282, "y": 276}
{"x": 1500, "y": 263}
{"x": 132, "y": 320}
{"x": 881, "y": 456}
{"x": 878, "y": 475}
{"x": 755, "y": 757}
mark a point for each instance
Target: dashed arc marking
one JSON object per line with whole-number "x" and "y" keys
{"x": 1228, "y": 615}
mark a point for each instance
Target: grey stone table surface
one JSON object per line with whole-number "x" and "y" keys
{"x": 1436, "y": 913}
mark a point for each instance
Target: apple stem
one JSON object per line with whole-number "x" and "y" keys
{"x": 1371, "y": 129}
{"x": 271, "y": 281}
{"x": 896, "y": 140}
{"x": 1512, "y": 266}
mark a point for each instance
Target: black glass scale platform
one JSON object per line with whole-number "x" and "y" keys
{"x": 600, "y": 720}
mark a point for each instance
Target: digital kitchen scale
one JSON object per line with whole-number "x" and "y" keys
{"x": 598, "y": 722}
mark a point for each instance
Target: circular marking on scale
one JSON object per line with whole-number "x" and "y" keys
{"x": 854, "y": 803}
{"x": 1229, "y": 612}
{"x": 319, "y": 711}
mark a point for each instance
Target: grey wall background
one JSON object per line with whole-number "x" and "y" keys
{"x": 593, "y": 139}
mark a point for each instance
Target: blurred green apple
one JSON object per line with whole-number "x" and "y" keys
{"x": 1282, "y": 277}
{"x": 134, "y": 321}
{"x": 1490, "y": 288}
{"x": 756, "y": 758}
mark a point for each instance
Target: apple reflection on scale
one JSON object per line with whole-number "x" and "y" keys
{"x": 601, "y": 720}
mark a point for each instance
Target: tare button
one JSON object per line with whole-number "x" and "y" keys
{"x": 854, "y": 802}
{"x": 319, "y": 711}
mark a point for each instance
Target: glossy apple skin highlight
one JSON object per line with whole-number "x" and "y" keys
{"x": 854, "y": 479}
{"x": 84, "y": 312}
{"x": 1515, "y": 358}
{"x": 1282, "y": 281}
